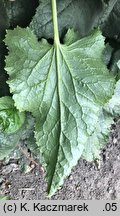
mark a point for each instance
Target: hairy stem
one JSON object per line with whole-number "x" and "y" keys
{"x": 55, "y": 23}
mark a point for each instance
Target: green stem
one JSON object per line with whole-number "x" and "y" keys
{"x": 55, "y": 23}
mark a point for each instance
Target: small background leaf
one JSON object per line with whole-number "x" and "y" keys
{"x": 10, "y": 118}
{"x": 20, "y": 12}
{"x": 9, "y": 141}
{"x": 111, "y": 27}
{"x": 70, "y": 15}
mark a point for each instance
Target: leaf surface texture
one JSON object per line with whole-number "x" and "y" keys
{"x": 65, "y": 88}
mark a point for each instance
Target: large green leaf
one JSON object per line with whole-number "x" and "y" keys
{"x": 80, "y": 14}
{"x": 64, "y": 87}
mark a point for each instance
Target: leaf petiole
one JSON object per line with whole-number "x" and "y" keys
{"x": 55, "y": 23}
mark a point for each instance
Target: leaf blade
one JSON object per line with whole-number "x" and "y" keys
{"x": 64, "y": 89}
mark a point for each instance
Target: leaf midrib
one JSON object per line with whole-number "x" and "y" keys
{"x": 58, "y": 75}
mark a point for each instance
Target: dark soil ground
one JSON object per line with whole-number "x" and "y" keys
{"x": 87, "y": 180}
